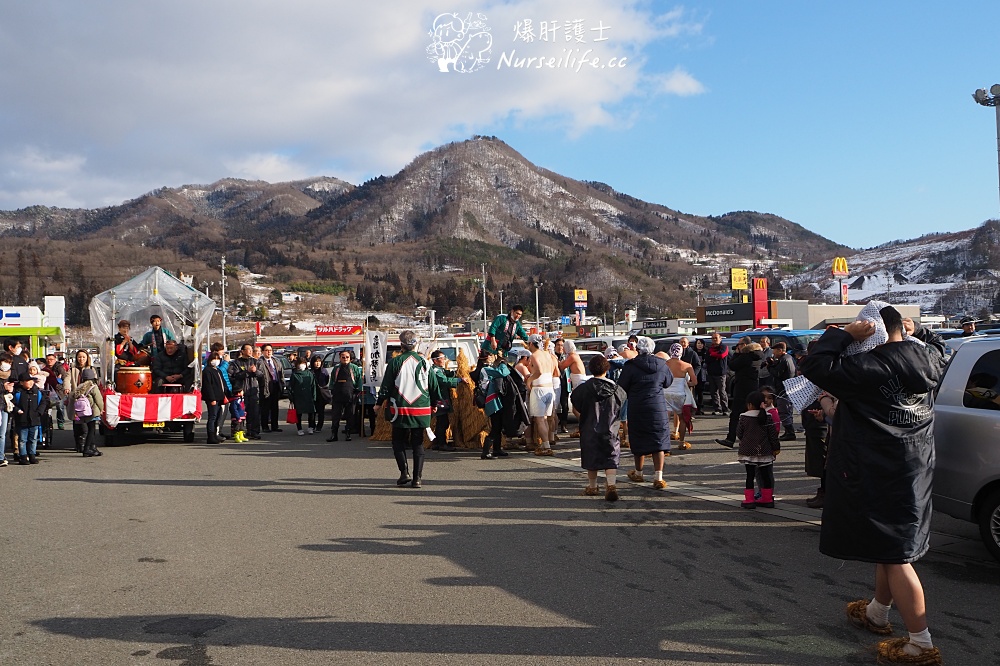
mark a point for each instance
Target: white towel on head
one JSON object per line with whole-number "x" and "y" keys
{"x": 802, "y": 392}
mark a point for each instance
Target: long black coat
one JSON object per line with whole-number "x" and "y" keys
{"x": 881, "y": 451}
{"x": 746, "y": 366}
{"x": 599, "y": 402}
{"x": 644, "y": 378}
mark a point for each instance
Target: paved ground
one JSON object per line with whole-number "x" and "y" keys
{"x": 295, "y": 551}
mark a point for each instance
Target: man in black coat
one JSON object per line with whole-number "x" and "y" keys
{"x": 172, "y": 367}
{"x": 782, "y": 367}
{"x": 880, "y": 467}
{"x": 246, "y": 374}
{"x": 745, "y": 363}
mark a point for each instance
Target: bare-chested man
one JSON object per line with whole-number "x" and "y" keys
{"x": 541, "y": 397}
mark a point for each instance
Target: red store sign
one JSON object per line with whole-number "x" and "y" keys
{"x": 338, "y": 330}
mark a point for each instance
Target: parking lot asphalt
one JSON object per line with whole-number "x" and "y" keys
{"x": 292, "y": 550}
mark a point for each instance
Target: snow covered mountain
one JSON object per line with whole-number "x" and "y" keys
{"x": 945, "y": 273}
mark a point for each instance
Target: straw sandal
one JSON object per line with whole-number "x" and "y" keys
{"x": 891, "y": 652}
{"x": 591, "y": 491}
{"x": 635, "y": 475}
{"x": 859, "y": 618}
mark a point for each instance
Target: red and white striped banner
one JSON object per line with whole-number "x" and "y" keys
{"x": 155, "y": 408}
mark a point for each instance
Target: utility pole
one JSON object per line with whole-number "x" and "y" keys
{"x": 224, "y": 345}
{"x": 486, "y": 326}
{"x": 538, "y": 314}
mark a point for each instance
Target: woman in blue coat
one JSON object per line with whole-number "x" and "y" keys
{"x": 644, "y": 378}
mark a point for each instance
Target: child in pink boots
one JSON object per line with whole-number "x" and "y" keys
{"x": 758, "y": 447}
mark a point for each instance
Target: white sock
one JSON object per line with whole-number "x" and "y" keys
{"x": 610, "y": 475}
{"x": 877, "y": 613}
{"x": 658, "y": 476}
{"x": 918, "y": 642}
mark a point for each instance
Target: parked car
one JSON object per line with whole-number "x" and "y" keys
{"x": 966, "y": 441}
{"x": 795, "y": 340}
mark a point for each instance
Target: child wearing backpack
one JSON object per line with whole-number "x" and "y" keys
{"x": 30, "y": 407}
{"x": 88, "y": 405}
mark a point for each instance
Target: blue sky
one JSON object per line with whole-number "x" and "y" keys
{"x": 853, "y": 119}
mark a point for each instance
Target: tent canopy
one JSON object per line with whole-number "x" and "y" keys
{"x": 186, "y": 312}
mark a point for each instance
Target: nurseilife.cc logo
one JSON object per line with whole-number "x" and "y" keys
{"x": 460, "y": 45}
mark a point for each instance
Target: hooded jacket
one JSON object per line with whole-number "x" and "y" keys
{"x": 599, "y": 403}
{"x": 90, "y": 389}
{"x": 880, "y": 464}
{"x": 644, "y": 378}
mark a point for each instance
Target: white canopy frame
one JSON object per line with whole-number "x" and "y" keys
{"x": 185, "y": 311}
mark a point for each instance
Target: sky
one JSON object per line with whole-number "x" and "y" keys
{"x": 854, "y": 119}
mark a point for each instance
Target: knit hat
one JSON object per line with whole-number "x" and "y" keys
{"x": 88, "y": 374}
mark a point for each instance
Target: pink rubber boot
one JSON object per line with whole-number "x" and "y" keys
{"x": 748, "y": 502}
{"x": 766, "y": 498}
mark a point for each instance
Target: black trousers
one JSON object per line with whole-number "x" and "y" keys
{"x": 409, "y": 438}
{"x": 496, "y": 433}
{"x": 338, "y": 411}
{"x": 269, "y": 407}
{"x": 441, "y": 429}
{"x": 251, "y": 399}
{"x": 563, "y": 401}
{"x": 320, "y": 413}
{"x": 85, "y": 434}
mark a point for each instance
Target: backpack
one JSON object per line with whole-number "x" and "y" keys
{"x": 82, "y": 406}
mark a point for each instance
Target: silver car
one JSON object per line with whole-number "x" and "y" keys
{"x": 967, "y": 439}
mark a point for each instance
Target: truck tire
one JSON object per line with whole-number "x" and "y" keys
{"x": 989, "y": 522}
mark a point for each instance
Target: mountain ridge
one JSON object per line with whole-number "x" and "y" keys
{"x": 449, "y": 210}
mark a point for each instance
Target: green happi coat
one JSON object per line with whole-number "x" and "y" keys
{"x": 410, "y": 388}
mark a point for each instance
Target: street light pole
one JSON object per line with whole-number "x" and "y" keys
{"x": 501, "y": 301}
{"x": 223, "y": 283}
{"x": 538, "y": 314}
{"x": 991, "y": 99}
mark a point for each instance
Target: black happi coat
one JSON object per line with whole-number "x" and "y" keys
{"x": 881, "y": 451}
{"x": 644, "y": 378}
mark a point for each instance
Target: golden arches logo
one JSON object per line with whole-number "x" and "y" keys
{"x": 760, "y": 283}
{"x": 840, "y": 267}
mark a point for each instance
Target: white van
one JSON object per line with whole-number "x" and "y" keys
{"x": 450, "y": 344}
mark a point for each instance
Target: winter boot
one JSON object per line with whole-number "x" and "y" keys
{"x": 817, "y": 501}
{"x": 766, "y": 498}
{"x": 748, "y": 502}
{"x": 404, "y": 473}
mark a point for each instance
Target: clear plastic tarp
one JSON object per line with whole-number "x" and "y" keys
{"x": 186, "y": 312}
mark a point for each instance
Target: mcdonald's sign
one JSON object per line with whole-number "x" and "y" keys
{"x": 840, "y": 267}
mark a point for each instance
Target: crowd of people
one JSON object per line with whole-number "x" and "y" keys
{"x": 868, "y": 431}
{"x": 41, "y": 394}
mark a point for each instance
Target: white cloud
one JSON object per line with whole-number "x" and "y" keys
{"x": 271, "y": 167}
{"x": 678, "y": 82}
{"x": 130, "y": 96}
